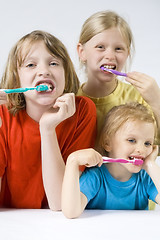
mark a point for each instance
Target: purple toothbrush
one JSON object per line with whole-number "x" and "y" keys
{"x": 134, "y": 161}
{"x": 114, "y": 72}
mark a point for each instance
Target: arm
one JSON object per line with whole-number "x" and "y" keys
{"x": 52, "y": 162}
{"x": 149, "y": 90}
{"x": 73, "y": 201}
{"x": 153, "y": 170}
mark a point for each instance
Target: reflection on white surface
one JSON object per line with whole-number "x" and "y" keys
{"x": 93, "y": 224}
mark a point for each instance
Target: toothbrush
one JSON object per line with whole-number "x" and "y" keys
{"x": 39, "y": 88}
{"x": 135, "y": 161}
{"x": 114, "y": 71}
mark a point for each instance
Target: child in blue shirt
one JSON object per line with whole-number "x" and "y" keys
{"x": 129, "y": 132}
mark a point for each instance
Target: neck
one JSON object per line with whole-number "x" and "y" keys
{"x": 99, "y": 89}
{"x": 36, "y": 112}
{"x": 118, "y": 172}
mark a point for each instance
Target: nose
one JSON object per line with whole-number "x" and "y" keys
{"x": 140, "y": 149}
{"x": 109, "y": 54}
{"x": 43, "y": 70}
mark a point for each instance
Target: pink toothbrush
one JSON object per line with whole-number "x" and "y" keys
{"x": 135, "y": 161}
{"x": 114, "y": 71}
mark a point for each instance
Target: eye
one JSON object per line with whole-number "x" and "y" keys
{"x": 119, "y": 49}
{"x": 148, "y": 144}
{"x": 100, "y": 46}
{"x": 131, "y": 140}
{"x": 30, "y": 65}
{"x": 53, "y": 63}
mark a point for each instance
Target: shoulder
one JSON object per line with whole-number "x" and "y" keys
{"x": 93, "y": 173}
{"x": 85, "y": 104}
{"x": 91, "y": 176}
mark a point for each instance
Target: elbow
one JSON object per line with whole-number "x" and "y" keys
{"x": 55, "y": 207}
{"x": 68, "y": 213}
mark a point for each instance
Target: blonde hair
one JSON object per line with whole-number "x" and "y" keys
{"x": 10, "y": 78}
{"x": 119, "y": 115}
{"x": 102, "y": 21}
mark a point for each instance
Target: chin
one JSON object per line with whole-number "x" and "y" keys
{"x": 135, "y": 169}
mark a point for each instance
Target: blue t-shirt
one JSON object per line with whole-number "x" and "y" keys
{"x": 105, "y": 192}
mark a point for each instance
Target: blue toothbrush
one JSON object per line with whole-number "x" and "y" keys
{"x": 39, "y": 88}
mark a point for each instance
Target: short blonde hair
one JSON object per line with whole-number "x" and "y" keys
{"x": 10, "y": 78}
{"x": 119, "y": 115}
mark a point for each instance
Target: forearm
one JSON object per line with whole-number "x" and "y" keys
{"x": 72, "y": 203}
{"x": 154, "y": 172}
{"x": 52, "y": 169}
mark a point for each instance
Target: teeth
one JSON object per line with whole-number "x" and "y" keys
{"x": 50, "y": 86}
{"x": 109, "y": 66}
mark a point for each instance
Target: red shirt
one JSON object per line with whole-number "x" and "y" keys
{"x": 20, "y": 152}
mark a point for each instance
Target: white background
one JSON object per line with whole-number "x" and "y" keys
{"x": 64, "y": 18}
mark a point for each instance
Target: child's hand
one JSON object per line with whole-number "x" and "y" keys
{"x": 151, "y": 158}
{"x": 88, "y": 157}
{"x": 3, "y": 100}
{"x": 146, "y": 85}
{"x": 63, "y": 108}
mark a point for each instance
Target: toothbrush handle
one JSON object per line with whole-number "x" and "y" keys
{"x": 106, "y": 159}
{"x": 16, "y": 90}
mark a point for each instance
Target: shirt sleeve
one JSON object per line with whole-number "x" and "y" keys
{"x": 90, "y": 182}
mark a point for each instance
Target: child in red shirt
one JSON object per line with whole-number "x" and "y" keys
{"x": 40, "y": 129}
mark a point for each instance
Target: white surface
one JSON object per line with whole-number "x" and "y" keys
{"x": 42, "y": 224}
{"x": 64, "y": 19}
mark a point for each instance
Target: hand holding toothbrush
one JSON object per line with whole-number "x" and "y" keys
{"x": 4, "y": 92}
{"x": 146, "y": 86}
{"x": 86, "y": 157}
{"x": 3, "y": 100}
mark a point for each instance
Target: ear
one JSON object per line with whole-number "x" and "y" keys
{"x": 107, "y": 147}
{"x": 81, "y": 52}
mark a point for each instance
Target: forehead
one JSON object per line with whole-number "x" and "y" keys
{"x": 29, "y": 48}
{"x": 109, "y": 35}
{"x": 137, "y": 128}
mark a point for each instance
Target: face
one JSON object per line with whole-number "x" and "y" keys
{"x": 104, "y": 49}
{"x": 40, "y": 67}
{"x": 133, "y": 140}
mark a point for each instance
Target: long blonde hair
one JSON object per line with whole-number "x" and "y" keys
{"x": 10, "y": 78}
{"x": 102, "y": 21}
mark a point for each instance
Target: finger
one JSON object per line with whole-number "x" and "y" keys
{"x": 68, "y": 100}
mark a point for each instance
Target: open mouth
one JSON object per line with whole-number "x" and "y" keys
{"x": 106, "y": 67}
{"x": 49, "y": 84}
{"x": 136, "y": 160}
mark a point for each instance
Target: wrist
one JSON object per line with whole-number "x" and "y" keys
{"x": 72, "y": 161}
